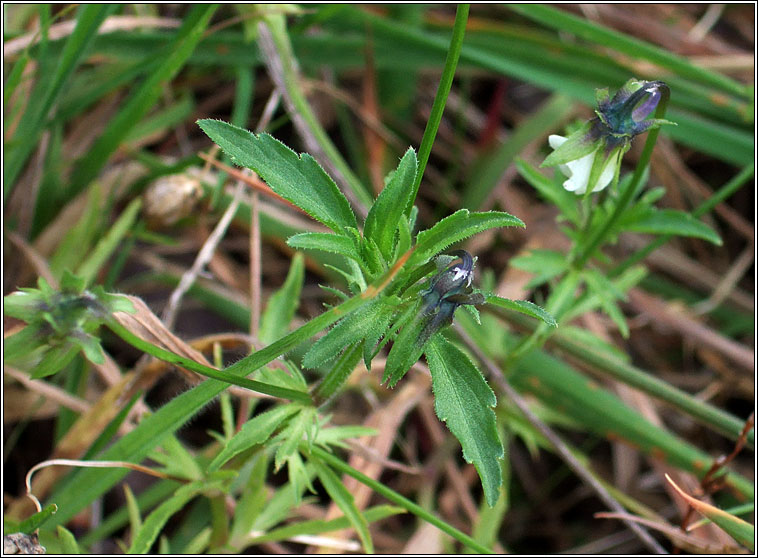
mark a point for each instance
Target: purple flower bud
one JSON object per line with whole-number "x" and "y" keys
{"x": 600, "y": 143}
{"x": 625, "y": 116}
{"x": 648, "y": 104}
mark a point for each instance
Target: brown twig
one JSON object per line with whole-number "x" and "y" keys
{"x": 96, "y": 464}
{"x": 48, "y": 390}
{"x": 203, "y": 257}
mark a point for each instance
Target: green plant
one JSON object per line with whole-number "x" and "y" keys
{"x": 94, "y": 117}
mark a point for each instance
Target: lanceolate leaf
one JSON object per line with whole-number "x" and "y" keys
{"x": 318, "y": 526}
{"x": 384, "y": 216}
{"x": 576, "y": 146}
{"x": 523, "y": 306}
{"x": 344, "y": 500}
{"x": 152, "y": 526}
{"x": 297, "y": 178}
{"x": 338, "y": 374}
{"x": 253, "y": 432}
{"x": 350, "y": 329}
{"x": 549, "y": 189}
{"x": 297, "y": 429}
{"x": 455, "y": 227}
{"x": 464, "y": 401}
{"x": 22, "y": 343}
{"x": 377, "y": 329}
{"x": 545, "y": 264}
{"x": 405, "y": 351}
{"x": 671, "y": 221}
{"x": 326, "y": 242}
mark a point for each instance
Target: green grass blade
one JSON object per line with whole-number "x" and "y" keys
{"x": 143, "y": 98}
{"x": 14, "y": 78}
{"x": 739, "y": 529}
{"x": 68, "y": 542}
{"x": 341, "y": 496}
{"x": 222, "y": 375}
{"x": 283, "y": 47}
{"x": 492, "y": 168}
{"x": 108, "y": 244}
{"x": 565, "y": 22}
{"x": 722, "y": 422}
{"x": 282, "y": 305}
{"x": 89, "y": 18}
{"x": 562, "y": 387}
{"x": 87, "y": 485}
{"x": 152, "y": 496}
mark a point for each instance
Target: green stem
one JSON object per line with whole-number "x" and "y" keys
{"x": 440, "y": 99}
{"x": 189, "y": 364}
{"x": 235, "y": 374}
{"x": 396, "y": 498}
{"x": 629, "y": 191}
{"x": 723, "y": 193}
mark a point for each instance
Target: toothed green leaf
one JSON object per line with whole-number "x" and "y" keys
{"x": 297, "y": 178}
{"x": 351, "y": 329}
{"x": 523, "y": 306}
{"x": 464, "y": 401}
{"x": 384, "y": 216}
{"x": 326, "y": 242}
{"x": 456, "y": 227}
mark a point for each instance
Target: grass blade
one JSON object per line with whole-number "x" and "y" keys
{"x": 33, "y": 122}
{"x": 143, "y": 98}
{"x": 565, "y": 22}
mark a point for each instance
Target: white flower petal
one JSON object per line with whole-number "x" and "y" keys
{"x": 607, "y": 175}
{"x": 576, "y": 187}
{"x": 578, "y": 172}
{"x": 556, "y": 141}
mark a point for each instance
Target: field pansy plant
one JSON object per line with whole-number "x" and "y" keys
{"x": 591, "y": 157}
